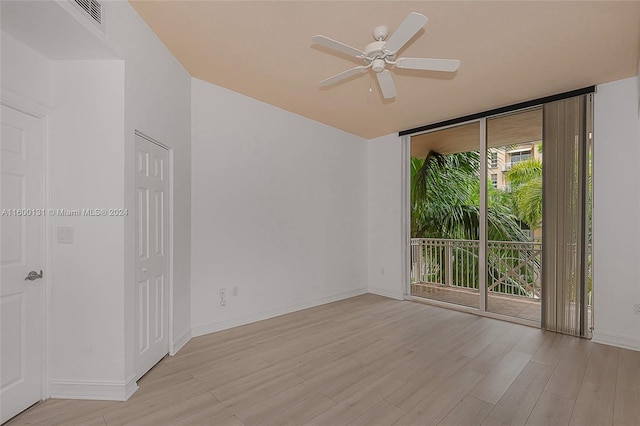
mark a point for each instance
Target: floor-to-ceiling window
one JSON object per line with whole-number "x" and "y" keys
{"x": 478, "y": 215}
{"x": 514, "y": 257}
{"x": 446, "y": 214}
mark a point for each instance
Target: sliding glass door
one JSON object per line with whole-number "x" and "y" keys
{"x": 514, "y": 214}
{"x": 446, "y": 215}
{"x": 497, "y": 229}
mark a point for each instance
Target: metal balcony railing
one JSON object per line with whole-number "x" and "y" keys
{"x": 513, "y": 268}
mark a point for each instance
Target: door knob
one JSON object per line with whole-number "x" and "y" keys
{"x": 144, "y": 269}
{"x": 33, "y": 275}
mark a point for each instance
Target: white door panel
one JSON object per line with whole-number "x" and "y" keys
{"x": 21, "y": 251}
{"x": 152, "y": 261}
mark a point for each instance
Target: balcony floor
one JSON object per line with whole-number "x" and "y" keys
{"x": 513, "y": 306}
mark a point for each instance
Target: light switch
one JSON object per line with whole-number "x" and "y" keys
{"x": 65, "y": 235}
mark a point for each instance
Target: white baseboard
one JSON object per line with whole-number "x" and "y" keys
{"x": 179, "y": 343}
{"x": 210, "y": 327}
{"x": 81, "y": 389}
{"x": 399, "y": 295}
{"x": 612, "y": 339}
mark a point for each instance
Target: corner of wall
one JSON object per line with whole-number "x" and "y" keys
{"x": 219, "y": 325}
{"x": 93, "y": 390}
{"x": 284, "y": 242}
{"x": 397, "y": 295}
{"x": 385, "y": 225}
{"x": 180, "y": 341}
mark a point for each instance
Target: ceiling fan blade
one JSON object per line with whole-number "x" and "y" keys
{"x": 343, "y": 75}
{"x": 336, "y": 45}
{"x": 448, "y": 65}
{"x": 409, "y": 27}
{"x": 386, "y": 84}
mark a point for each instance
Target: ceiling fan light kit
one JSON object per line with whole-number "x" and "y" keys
{"x": 382, "y": 52}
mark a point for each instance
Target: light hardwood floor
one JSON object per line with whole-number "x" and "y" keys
{"x": 511, "y": 306}
{"x": 370, "y": 360}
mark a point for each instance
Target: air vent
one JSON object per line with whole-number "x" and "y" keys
{"x": 93, "y": 9}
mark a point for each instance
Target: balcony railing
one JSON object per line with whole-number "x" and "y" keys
{"x": 513, "y": 268}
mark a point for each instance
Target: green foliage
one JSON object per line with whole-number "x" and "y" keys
{"x": 526, "y": 186}
{"x": 524, "y": 171}
{"x": 440, "y": 188}
{"x": 445, "y": 200}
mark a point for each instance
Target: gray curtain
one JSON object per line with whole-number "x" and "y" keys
{"x": 565, "y": 219}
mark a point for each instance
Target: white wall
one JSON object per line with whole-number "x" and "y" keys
{"x": 96, "y": 107}
{"x": 87, "y": 171}
{"x": 616, "y": 213}
{"x": 157, "y": 103}
{"x": 385, "y": 233}
{"x": 85, "y": 150}
{"x": 279, "y": 209}
{"x": 24, "y": 72}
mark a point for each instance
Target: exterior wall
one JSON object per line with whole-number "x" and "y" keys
{"x": 505, "y": 161}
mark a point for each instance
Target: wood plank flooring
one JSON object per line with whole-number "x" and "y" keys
{"x": 370, "y": 360}
{"x": 503, "y": 304}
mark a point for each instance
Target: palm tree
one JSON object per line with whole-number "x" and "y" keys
{"x": 526, "y": 188}
{"x": 445, "y": 200}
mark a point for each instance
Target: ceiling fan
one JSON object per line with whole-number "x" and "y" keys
{"x": 382, "y": 52}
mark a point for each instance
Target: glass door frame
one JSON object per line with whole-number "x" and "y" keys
{"x": 406, "y": 135}
{"x": 483, "y": 234}
{"x": 406, "y": 204}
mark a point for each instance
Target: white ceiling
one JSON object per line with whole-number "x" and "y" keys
{"x": 510, "y": 52}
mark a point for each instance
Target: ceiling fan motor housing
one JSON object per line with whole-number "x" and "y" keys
{"x": 374, "y": 52}
{"x": 378, "y": 65}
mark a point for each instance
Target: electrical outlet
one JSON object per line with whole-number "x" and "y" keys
{"x": 223, "y": 294}
{"x": 636, "y": 308}
{"x": 235, "y": 290}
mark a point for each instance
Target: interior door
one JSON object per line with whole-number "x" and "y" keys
{"x": 22, "y": 251}
{"x": 152, "y": 254}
